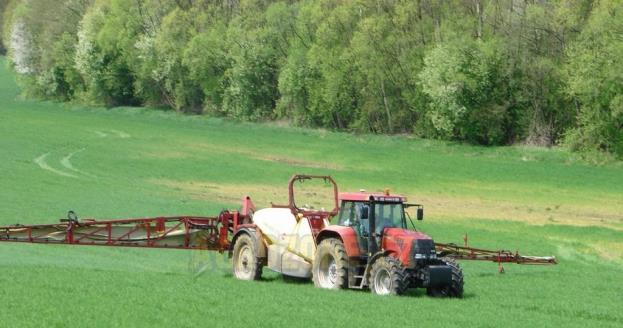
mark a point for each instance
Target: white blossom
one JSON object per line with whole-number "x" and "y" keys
{"x": 21, "y": 48}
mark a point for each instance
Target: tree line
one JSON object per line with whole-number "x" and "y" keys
{"x": 490, "y": 72}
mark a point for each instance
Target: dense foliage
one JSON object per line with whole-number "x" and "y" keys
{"x": 3, "y": 4}
{"x": 487, "y": 72}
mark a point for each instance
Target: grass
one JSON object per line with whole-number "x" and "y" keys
{"x": 139, "y": 162}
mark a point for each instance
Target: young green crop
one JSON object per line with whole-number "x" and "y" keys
{"x": 131, "y": 162}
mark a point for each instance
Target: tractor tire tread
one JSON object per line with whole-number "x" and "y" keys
{"x": 398, "y": 274}
{"x": 336, "y": 247}
{"x": 257, "y": 265}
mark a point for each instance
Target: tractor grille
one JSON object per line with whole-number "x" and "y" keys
{"x": 424, "y": 249}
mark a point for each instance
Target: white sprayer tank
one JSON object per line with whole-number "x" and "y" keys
{"x": 291, "y": 246}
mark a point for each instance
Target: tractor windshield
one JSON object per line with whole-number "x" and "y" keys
{"x": 389, "y": 215}
{"x": 358, "y": 215}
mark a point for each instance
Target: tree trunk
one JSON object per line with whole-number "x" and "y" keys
{"x": 479, "y": 12}
{"x": 387, "y": 111}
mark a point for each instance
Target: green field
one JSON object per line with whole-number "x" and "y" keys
{"x": 132, "y": 162}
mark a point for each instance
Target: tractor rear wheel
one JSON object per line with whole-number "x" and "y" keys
{"x": 388, "y": 277}
{"x": 245, "y": 261}
{"x": 330, "y": 268}
{"x": 455, "y": 289}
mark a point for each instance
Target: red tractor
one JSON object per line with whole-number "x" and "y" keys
{"x": 367, "y": 246}
{"x": 370, "y": 246}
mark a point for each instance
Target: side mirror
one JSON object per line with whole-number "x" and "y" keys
{"x": 420, "y": 214}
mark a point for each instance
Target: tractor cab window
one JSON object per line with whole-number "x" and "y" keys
{"x": 388, "y": 215}
{"x": 347, "y": 214}
{"x": 354, "y": 214}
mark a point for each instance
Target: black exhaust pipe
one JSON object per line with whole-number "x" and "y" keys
{"x": 372, "y": 245}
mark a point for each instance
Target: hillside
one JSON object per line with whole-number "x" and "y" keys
{"x": 485, "y": 72}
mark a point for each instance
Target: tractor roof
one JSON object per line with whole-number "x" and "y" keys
{"x": 365, "y": 196}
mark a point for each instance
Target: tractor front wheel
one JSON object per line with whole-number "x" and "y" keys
{"x": 388, "y": 277}
{"x": 330, "y": 266}
{"x": 246, "y": 264}
{"x": 455, "y": 289}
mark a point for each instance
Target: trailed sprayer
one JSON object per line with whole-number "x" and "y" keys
{"x": 363, "y": 241}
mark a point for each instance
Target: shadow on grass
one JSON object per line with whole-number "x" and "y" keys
{"x": 411, "y": 293}
{"x": 517, "y": 274}
{"x": 421, "y": 292}
{"x": 289, "y": 280}
{"x": 295, "y": 280}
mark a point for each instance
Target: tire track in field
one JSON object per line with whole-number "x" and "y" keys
{"x": 66, "y": 162}
{"x": 121, "y": 134}
{"x": 117, "y": 133}
{"x": 44, "y": 165}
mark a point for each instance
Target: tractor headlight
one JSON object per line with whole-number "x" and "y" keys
{"x": 431, "y": 255}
